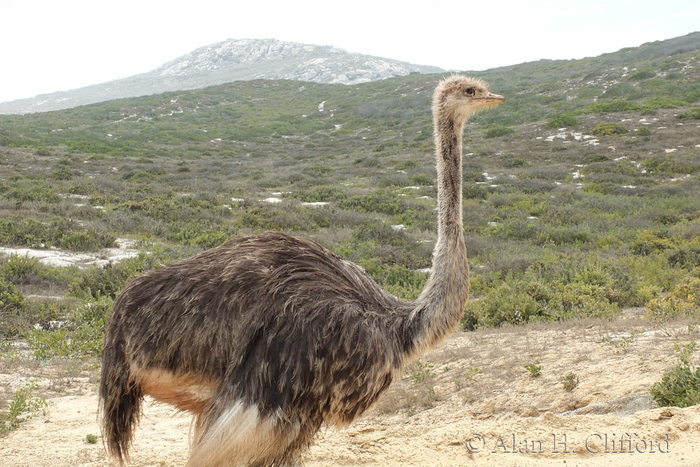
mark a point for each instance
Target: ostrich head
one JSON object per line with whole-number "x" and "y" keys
{"x": 458, "y": 96}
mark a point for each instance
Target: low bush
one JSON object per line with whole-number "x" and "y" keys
{"x": 82, "y": 334}
{"x": 553, "y": 288}
{"x": 398, "y": 279}
{"x": 692, "y": 114}
{"x": 200, "y": 235}
{"x": 12, "y": 306}
{"x": 19, "y": 267}
{"x": 58, "y": 232}
{"x": 609, "y": 129}
{"x": 611, "y": 106}
{"x": 422, "y": 180}
{"x": 664, "y": 165}
{"x": 319, "y": 194}
{"x": 498, "y": 132}
{"x": 562, "y": 121}
{"x": 24, "y": 190}
{"x": 376, "y": 245}
{"x": 534, "y": 369}
{"x": 641, "y": 75}
{"x": 679, "y": 386}
{"x": 24, "y": 406}
{"x": 570, "y": 381}
{"x": 107, "y": 281}
{"x": 686, "y": 256}
{"x": 379, "y": 201}
{"x": 683, "y": 300}
{"x": 63, "y": 173}
{"x": 649, "y": 242}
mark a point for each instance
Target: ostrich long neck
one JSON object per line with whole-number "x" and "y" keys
{"x": 442, "y": 302}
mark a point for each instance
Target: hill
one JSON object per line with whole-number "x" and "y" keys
{"x": 231, "y": 60}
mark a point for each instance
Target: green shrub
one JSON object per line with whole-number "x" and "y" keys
{"x": 398, "y": 279}
{"x": 535, "y": 370}
{"x": 608, "y": 129}
{"x": 622, "y": 90}
{"x": 661, "y": 165}
{"x": 406, "y": 165}
{"x": 319, "y": 194}
{"x": 89, "y": 240}
{"x": 57, "y": 232}
{"x": 579, "y": 300}
{"x": 622, "y": 167}
{"x": 553, "y": 288}
{"x": 473, "y": 191}
{"x": 276, "y": 217}
{"x": 422, "y": 180}
{"x": 19, "y": 267}
{"x": 317, "y": 170}
{"x": 380, "y": 201}
{"x": 570, "y": 381}
{"x": 510, "y": 162}
{"x": 509, "y": 303}
{"x": 64, "y": 173}
{"x": 498, "y": 132}
{"x": 611, "y": 106}
{"x": 107, "y": 281}
{"x": 12, "y": 305}
{"x": 24, "y": 190}
{"x": 662, "y": 102}
{"x": 24, "y": 406}
{"x": 419, "y": 371}
{"x": 82, "y": 335}
{"x": 641, "y": 75}
{"x": 685, "y": 256}
{"x": 649, "y": 242}
{"x": 563, "y": 121}
{"x": 137, "y": 177}
{"x": 692, "y": 113}
{"x": 200, "y": 235}
{"x": 684, "y": 300}
{"x": 679, "y": 386}
{"x": 598, "y": 158}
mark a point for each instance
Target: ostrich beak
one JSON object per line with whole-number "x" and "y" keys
{"x": 494, "y": 99}
{"x": 490, "y": 100}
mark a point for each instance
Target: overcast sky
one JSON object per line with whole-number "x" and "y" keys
{"x": 52, "y": 45}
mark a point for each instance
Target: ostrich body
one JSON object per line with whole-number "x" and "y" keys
{"x": 267, "y": 337}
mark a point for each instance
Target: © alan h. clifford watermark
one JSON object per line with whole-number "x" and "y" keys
{"x": 561, "y": 443}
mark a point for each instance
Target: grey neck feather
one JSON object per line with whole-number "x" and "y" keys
{"x": 440, "y": 307}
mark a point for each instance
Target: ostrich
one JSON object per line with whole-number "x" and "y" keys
{"x": 265, "y": 338}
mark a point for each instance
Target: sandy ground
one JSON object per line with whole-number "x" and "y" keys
{"x": 477, "y": 406}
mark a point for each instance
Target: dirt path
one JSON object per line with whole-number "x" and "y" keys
{"x": 474, "y": 388}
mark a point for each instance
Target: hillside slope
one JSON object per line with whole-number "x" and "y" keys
{"x": 231, "y": 60}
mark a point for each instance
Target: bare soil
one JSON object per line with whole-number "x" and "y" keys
{"x": 477, "y": 405}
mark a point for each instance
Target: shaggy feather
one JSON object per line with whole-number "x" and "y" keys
{"x": 267, "y": 337}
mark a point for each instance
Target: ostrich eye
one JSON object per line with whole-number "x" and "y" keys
{"x": 469, "y": 91}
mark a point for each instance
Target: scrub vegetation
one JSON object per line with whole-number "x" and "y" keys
{"x": 580, "y": 194}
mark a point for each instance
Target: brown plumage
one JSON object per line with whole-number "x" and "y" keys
{"x": 267, "y": 337}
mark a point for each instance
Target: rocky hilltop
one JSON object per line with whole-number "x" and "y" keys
{"x": 231, "y": 60}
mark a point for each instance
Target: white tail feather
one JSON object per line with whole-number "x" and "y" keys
{"x": 237, "y": 437}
